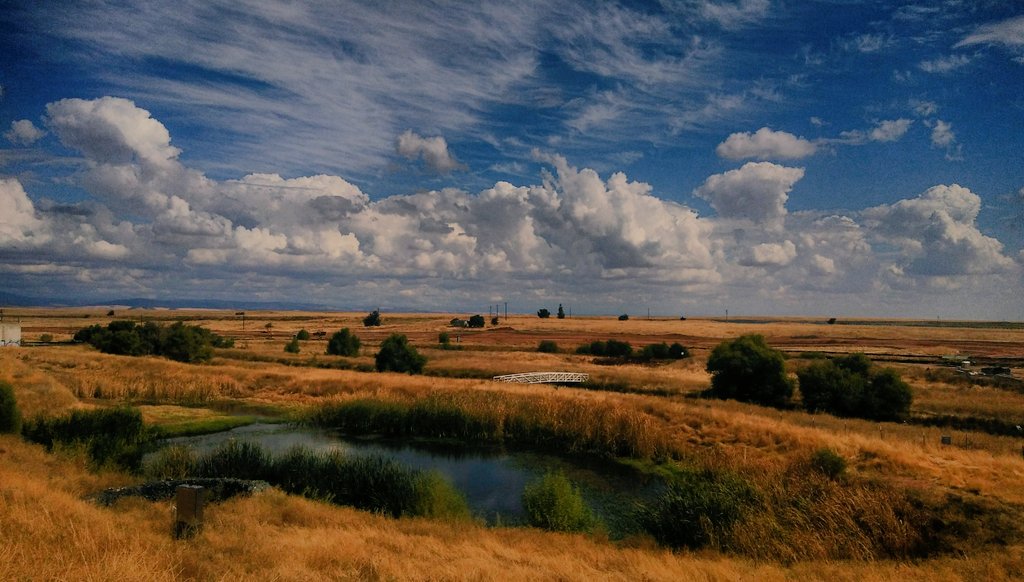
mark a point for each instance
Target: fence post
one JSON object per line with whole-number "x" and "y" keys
{"x": 188, "y": 513}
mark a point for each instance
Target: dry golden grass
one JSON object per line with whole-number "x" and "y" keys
{"x": 48, "y": 532}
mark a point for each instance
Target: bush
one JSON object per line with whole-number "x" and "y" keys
{"x": 624, "y": 317}
{"x": 655, "y": 352}
{"x": 747, "y": 369}
{"x": 554, "y": 504}
{"x": 561, "y": 312}
{"x": 543, "y": 313}
{"x": 173, "y": 462}
{"x": 676, "y": 351}
{"x": 396, "y": 355}
{"x": 851, "y": 386}
{"x": 547, "y": 347}
{"x": 343, "y": 343}
{"x": 476, "y": 321}
{"x": 828, "y": 462}
{"x": 437, "y": 498}
{"x": 495, "y": 320}
{"x": 46, "y": 338}
{"x": 697, "y": 509}
{"x": 457, "y": 322}
{"x": 610, "y": 348}
{"x": 302, "y": 336}
{"x": 110, "y": 436}
{"x": 10, "y": 416}
{"x": 373, "y": 319}
{"x": 443, "y": 338}
{"x": 292, "y": 347}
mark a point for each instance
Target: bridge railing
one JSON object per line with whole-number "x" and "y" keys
{"x": 543, "y": 378}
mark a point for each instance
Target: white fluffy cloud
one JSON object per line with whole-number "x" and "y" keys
{"x": 890, "y": 130}
{"x": 111, "y": 130}
{"x": 770, "y": 255}
{"x": 765, "y": 144}
{"x": 24, "y": 132}
{"x": 937, "y": 234}
{"x": 433, "y": 151}
{"x": 19, "y": 224}
{"x": 757, "y": 191}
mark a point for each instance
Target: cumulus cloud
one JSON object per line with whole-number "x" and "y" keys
{"x": 19, "y": 224}
{"x": 765, "y": 144}
{"x": 111, "y": 130}
{"x": 937, "y": 234}
{"x": 24, "y": 132}
{"x": 757, "y": 191}
{"x": 942, "y": 134}
{"x": 770, "y": 255}
{"x": 433, "y": 151}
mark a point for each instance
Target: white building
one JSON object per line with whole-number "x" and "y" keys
{"x": 10, "y": 334}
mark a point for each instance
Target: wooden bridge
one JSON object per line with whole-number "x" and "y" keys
{"x": 543, "y": 378}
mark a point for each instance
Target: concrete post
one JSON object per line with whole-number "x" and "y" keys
{"x": 188, "y": 514}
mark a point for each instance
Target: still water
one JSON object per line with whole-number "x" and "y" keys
{"x": 492, "y": 479}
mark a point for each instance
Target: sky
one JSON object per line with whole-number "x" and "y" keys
{"x": 821, "y": 158}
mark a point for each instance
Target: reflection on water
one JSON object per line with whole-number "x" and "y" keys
{"x": 491, "y": 479}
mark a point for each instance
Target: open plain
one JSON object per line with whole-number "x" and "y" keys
{"x": 907, "y": 507}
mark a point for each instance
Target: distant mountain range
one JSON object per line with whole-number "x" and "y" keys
{"x": 8, "y": 299}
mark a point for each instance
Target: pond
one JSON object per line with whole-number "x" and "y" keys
{"x": 492, "y": 479}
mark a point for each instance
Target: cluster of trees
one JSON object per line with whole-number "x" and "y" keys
{"x": 748, "y": 369}
{"x": 184, "y": 343}
{"x": 543, "y": 312}
{"x": 618, "y": 349}
{"x": 396, "y": 353}
{"x": 473, "y": 321}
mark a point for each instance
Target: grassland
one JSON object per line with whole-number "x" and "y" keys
{"x": 901, "y": 482}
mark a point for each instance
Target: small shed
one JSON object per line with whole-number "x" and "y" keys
{"x": 10, "y": 334}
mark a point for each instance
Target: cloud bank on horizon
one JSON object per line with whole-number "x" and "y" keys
{"x": 611, "y": 156}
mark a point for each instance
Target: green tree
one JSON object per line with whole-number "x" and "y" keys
{"x": 373, "y": 319}
{"x": 343, "y": 343}
{"x": 396, "y": 355}
{"x": 561, "y": 312}
{"x": 747, "y": 369}
{"x": 476, "y": 321}
{"x": 303, "y": 335}
{"x": 443, "y": 338}
{"x": 624, "y": 317}
{"x": 851, "y": 386}
{"x": 543, "y": 313}
{"x": 292, "y": 347}
{"x": 10, "y": 416}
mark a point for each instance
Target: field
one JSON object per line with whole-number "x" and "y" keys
{"x": 909, "y": 507}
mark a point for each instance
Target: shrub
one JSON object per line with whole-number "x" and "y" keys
{"x": 343, "y": 343}
{"x": 697, "y": 509}
{"x": 543, "y": 313}
{"x": 114, "y": 436}
{"x": 610, "y": 348}
{"x": 457, "y": 322}
{"x": 476, "y": 321}
{"x": 292, "y": 347}
{"x": 677, "y": 351}
{"x": 554, "y": 504}
{"x": 10, "y": 416}
{"x": 561, "y": 312}
{"x": 828, "y": 462}
{"x": 443, "y": 338}
{"x": 373, "y": 319}
{"x": 851, "y": 386}
{"x": 303, "y": 335}
{"x": 46, "y": 338}
{"x": 495, "y": 320}
{"x": 437, "y": 498}
{"x": 655, "y": 352}
{"x": 173, "y": 462}
{"x": 624, "y": 317}
{"x": 547, "y": 347}
{"x": 396, "y": 355}
{"x": 747, "y": 369}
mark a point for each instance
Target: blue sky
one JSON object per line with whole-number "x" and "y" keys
{"x": 819, "y": 158}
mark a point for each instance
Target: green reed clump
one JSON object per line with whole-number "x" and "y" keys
{"x": 697, "y": 509}
{"x": 365, "y": 482}
{"x": 109, "y": 436}
{"x": 553, "y": 503}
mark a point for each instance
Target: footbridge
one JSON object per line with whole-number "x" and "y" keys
{"x": 543, "y": 378}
